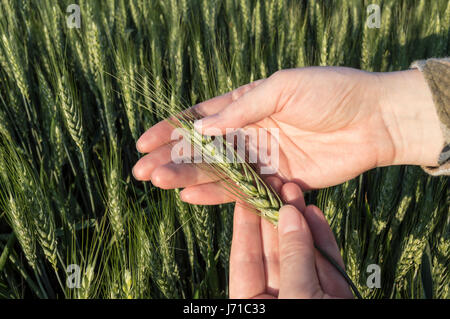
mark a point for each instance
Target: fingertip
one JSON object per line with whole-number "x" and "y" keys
{"x": 290, "y": 219}
{"x": 185, "y": 196}
{"x": 160, "y": 177}
{"x": 133, "y": 172}
{"x": 275, "y": 183}
{"x": 217, "y": 194}
{"x": 140, "y": 146}
{"x": 144, "y": 142}
{"x": 292, "y": 194}
{"x": 138, "y": 173}
{"x": 290, "y": 191}
{"x": 147, "y": 143}
{"x": 287, "y": 210}
{"x": 191, "y": 195}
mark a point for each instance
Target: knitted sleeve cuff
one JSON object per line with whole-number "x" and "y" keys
{"x": 437, "y": 75}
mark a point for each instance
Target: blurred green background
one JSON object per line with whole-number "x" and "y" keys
{"x": 69, "y": 119}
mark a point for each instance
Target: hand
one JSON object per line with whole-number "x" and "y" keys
{"x": 266, "y": 263}
{"x": 334, "y": 123}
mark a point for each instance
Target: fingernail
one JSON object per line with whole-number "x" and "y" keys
{"x": 289, "y": 219}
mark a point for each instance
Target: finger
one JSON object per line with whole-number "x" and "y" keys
{"x": 156, "y": 136}
{"x": 173, "y": 175}
{"x": 217, "y": 194}
{"x": 251, "y": 103}
{"x": 275, "y": 182}
{"x": 293, "y": 195}
{"x": 214, "y": 105}
{"x": 330, "y": 279}
{"x": 298, "y": 277}
{"x": 247, "y": 277}
{"x": 160, "y": 133}
{"x": 269, "y": 237}
{"x": 145, "y": 166}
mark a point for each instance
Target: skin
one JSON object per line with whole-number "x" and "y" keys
{"x": 270, "y": 263}
{"x": 334, "y": 124}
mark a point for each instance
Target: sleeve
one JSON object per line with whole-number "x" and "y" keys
{"x": 437, "y": 75}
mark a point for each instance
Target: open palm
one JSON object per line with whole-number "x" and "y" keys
{"x": 326, "y": 119}
{"x": 329, "y": 130}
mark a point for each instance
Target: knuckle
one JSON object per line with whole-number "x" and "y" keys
{"x": 278, "y": 75}
{"x": 239, "y": 92}
{"x": 236, "y": 94}
{"x": 292, "y": 249}
{"x": 253, "y": 84}
{"x": 289, "y": 257}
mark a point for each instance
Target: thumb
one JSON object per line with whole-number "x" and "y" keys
{"x": 251, "y": 103}
{"x": 298, "y": 277}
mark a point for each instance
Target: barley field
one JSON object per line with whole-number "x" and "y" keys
{"x": 69, "y": 120}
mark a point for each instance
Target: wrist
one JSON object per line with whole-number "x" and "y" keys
{"x": 411, "y": 120}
